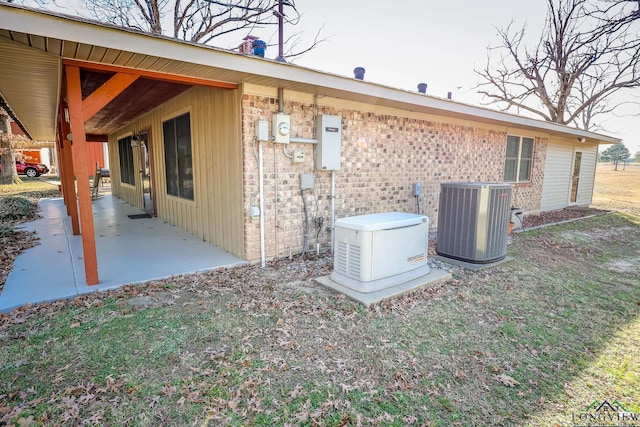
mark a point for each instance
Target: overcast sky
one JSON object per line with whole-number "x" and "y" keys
{"x": 401, "y": 43}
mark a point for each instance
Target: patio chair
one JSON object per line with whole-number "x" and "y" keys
{"x": 97, "y": 177}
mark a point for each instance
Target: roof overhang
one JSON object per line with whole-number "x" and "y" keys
{"x": 34, "y": 44}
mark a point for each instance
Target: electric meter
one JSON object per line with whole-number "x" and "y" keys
{"x": 281, "y": 128}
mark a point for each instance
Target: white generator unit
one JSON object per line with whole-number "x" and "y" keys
{"x": 377, "y": 251}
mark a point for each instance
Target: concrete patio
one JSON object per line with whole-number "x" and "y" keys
{"x": 129, "y": 251}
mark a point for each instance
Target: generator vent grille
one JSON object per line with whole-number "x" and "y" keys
{"x": 347, "y": 259}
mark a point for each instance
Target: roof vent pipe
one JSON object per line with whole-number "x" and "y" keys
{"x": 358, "y": 72}
{"x": 448, "y": 95}
{"x": 259, "y": 48}
{"x": 422, "y": 87}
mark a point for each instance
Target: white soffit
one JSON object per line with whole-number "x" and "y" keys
{"x": 75, "y": 38}
{"x": 29, "y": 82}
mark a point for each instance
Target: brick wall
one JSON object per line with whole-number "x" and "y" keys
{"x": 382, "y": 157}
{"x": 529, "y": 195}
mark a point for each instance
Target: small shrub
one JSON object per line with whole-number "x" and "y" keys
{"x": 16, "y": 208}
{"x": 6, "y": 230}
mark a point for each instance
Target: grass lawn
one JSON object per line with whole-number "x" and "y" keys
{"x": 30, "y": 187}
{"x": 532, "y": 342}
{"x": 619, "y": 190}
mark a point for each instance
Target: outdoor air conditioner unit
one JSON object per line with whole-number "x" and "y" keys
{"x": 377, "y": 251}
{"x": 473, "y": 219}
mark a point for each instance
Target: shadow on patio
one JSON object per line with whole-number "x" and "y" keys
{"x": 128, "y": 250}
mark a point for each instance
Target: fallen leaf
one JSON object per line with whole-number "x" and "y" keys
{"x": 22, "y": 422}
{"x": 507, "y": 380}
{"x": 153, "y": 402}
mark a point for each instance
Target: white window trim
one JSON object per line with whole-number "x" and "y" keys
{"x": 173, "y": 115}
{"x": 519, "y": 158}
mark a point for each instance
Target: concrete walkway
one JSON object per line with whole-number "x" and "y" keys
{"x": 128, "y": 250}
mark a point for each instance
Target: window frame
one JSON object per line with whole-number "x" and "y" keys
{"x": 518, "y": 161}
{"x": 173, "y": 159}
{"x": 126, "y": 160}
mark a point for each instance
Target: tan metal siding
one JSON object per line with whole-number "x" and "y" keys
{"x": 587, "y": 174}
{"x": 216, "y": 213}
{"x": 557, "y": 176}
{"x": 127, "y": 192}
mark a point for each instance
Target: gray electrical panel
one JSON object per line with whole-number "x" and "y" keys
{"x": 306, "y": 181}
{"x": 329, "y": 135}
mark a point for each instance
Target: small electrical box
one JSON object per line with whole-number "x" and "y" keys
{"x": 298, "y": 156}
{"x": 329, "y": 135}
{"x": 417, "y": 189}
{"x": 262, "y": 130}
{"x": 306, "y": 181}
{"x": 281, "y": 128}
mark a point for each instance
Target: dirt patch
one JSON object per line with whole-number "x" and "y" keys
{"x": 598, "y": 234}
{"x": 559, "y": 215}
{"x": 159, "y": 299}
{"x": 625, "y": 266}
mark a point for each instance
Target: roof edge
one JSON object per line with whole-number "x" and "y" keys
{"x": 30, "y": 21}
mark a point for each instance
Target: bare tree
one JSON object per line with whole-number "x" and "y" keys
{"x": 588, "y": 51}
{"x": 9, "y": 174}
{"x": 198, "y": 21}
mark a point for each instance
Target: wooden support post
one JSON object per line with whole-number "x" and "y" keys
{"x": 67, "y": 176}
{"x": 81, "y": 169}
{"x": 70, "y": 185}
{"x": 59, "y": 144}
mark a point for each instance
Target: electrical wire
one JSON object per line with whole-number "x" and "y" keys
{"x": 291, "y": 4}
{"x": 236, "y": 6}
{"x": 305, "y": 246}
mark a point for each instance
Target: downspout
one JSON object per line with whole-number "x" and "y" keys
{"x": 275, "y": 205}
{"x": 280, "y": 100}
{"x": 261, "y": 180}
{"x": 275, "y": 169}
{"x": 333, "y": 207}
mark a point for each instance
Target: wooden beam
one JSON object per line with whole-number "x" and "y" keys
{"x": 153, "y": 75}
{"x": 92, "y": 137}
{"x": 70, "y": 184}
{"x": 61, "y": 171}
{"x": 58, "y": 146}
{"x": 106, "y": 93}
{"x": 79, "y": 150}
{"x": 67, "y": 175}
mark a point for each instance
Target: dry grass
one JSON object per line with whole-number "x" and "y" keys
{"x": 30, "y": 187}
{"x": 526, "y": 343}
{"x": 530, "y": 342}
{"x": 617, "y": 190}
{"x": 18, "y": 204}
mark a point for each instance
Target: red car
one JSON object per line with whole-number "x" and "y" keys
{"x": 29, "y": 168}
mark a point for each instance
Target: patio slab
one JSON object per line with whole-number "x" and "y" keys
{"x": 369, "y": 298}
{"x": 128, "y": 250}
